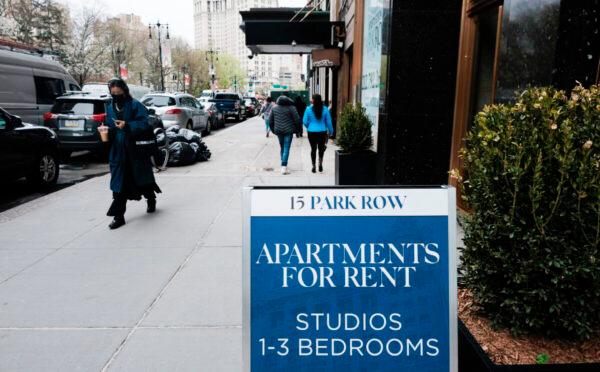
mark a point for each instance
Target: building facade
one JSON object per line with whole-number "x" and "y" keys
{"x": 216, "y": 28}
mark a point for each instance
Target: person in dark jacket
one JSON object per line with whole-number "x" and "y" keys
{"x": 300, "y": 107}
{"x": 284, "y": 121}
{"x": 130, "y": 167}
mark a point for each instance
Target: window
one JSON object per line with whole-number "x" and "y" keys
{"x": 484, "y": 60}
{"x": 74, "y": 87}
{"x": 159, "y": 101}
{"x": 47, "y": 89}
{"x": 70, "y": 106}
{"x": 3, "y": 121}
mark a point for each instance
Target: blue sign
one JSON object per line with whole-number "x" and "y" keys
{"x": 340, "y": 279}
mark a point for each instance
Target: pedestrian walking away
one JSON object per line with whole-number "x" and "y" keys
{"x": 265, "y": 111}
{"x": 300, "y": 107}
{"x": 284, "y": 121}
{"x": 317, "y": 121}
{"x": 130, "y": 164}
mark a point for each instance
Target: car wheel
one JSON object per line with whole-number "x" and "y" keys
{"x": 208, "y": 128}
{"x": 189, "y": 125}
{"x": 44, "y": 172}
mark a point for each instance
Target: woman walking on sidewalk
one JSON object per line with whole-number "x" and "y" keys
{"x": 317, "y": 121}
{"x": 130, "y": 167}
{"x": 265, "y": 111}
{"x": 284, "y": 122}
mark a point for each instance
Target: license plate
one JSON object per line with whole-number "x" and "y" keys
{"x": 73, "y": 124}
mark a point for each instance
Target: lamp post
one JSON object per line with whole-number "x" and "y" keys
{"x": 213, "y": 57}
{"x": 158, "y": 26}
{"x": 184, "y": 70}
{"x": 118, "y": 54}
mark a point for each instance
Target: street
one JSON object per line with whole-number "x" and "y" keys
{"x": 80, "y": 167}
{"x": 162, "y": 293}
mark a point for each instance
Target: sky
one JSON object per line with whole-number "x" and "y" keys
{"x": 179, "y": 14}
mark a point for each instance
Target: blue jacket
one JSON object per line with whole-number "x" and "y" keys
{"x": 123, "y": 148}
{"x": 312, "y": 124}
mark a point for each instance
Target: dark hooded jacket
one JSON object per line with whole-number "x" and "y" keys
{"x": 284, "y": 118}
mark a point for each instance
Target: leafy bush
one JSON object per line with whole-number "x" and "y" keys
{"x": 355, "y": 129}
{"x": 531, "y": 241}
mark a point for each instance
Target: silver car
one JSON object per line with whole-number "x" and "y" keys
{"x": 178, "y": 109}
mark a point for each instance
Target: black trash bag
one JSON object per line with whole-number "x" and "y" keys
{"x": 172, "y": 137}
{"x": 189, "y": 136}
{"x": 173, "y": 129}
{"x": 203, "y": 153}
{"x": 161, "y": 138}
{"x": 181, "y": 153}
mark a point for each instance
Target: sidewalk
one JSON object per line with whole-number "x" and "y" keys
{"x": 162, "y": 293}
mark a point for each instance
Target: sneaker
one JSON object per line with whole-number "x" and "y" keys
{"x": 284, "y": 170}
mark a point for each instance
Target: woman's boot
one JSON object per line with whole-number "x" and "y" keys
{"x": 117, "y": 222}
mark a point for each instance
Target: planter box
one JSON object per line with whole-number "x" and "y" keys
{"x": 472, "y": 358}
{"x": 355, "y": 168}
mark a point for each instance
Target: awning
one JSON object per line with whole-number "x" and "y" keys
{"x": 269, "y": 30}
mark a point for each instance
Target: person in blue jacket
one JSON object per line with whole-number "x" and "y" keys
{"x": 317, "y": 121}
{"x": 130, "y": 168}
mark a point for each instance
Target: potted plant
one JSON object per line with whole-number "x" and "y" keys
{"x": 530, "y": 266}
{"x": 355, "y": 161}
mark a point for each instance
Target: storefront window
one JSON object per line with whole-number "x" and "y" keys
{"x": 528, "y": 48}
{"x": 371, "y": 83}
{"x": 484, "y": 59}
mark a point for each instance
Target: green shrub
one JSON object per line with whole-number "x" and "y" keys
{"x": 533, "y": 187}
{"x": 355, "y": 129}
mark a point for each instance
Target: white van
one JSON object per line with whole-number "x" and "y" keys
{"x": 29, "y": 84}
{"x": 136, "y": 91}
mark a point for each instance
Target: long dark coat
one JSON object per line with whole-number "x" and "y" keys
{"x": 123, "y": 146}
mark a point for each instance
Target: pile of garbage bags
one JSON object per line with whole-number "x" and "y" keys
{"x": 185, "y": 146}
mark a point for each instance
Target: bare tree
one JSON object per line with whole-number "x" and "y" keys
{"x": 85, "y": 52}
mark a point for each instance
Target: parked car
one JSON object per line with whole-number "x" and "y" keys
{"x": 76, "y": 117}
{"x": 256, "y": 103}
{"x": 27, "y": 150}
{"x": 178, "y": 109}
{"x": 136, "y": 91}
{"x": 231, "y": 104}
{"x": 29, "y": 84}
{"x": 250, "y": 107}
{"x": 214, "y": 115}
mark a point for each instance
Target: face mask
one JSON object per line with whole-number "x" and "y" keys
{"x": 118, "y": 98}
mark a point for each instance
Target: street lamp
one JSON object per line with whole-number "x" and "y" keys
{"x": 213, "y": 57}
{"x": 158, "y": 26}
{"x": 184, "y": 70}
{"x": 118, "y": 54}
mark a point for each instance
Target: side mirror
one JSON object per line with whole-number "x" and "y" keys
{"x": 152, "y": 111}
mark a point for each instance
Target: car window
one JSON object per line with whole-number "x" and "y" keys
{"x": 249, "y": 102}
{"x": 227, "y": 96}
{"x": 74, "y": 88}
{"x": 3, "y": 121}
{"x": 159, "y": 101}
{"x": 75, "y": 107}
{"x": 47, "y": 89}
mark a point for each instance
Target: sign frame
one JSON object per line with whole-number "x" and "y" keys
{"x": 452, "y": 261}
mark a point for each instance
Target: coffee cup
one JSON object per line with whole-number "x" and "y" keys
{"x": 103, "y": 130}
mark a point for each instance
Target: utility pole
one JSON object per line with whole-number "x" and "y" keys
{"x": 158, "y": 26}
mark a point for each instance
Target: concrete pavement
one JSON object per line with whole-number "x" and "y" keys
{"x": 162, "y": 293}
